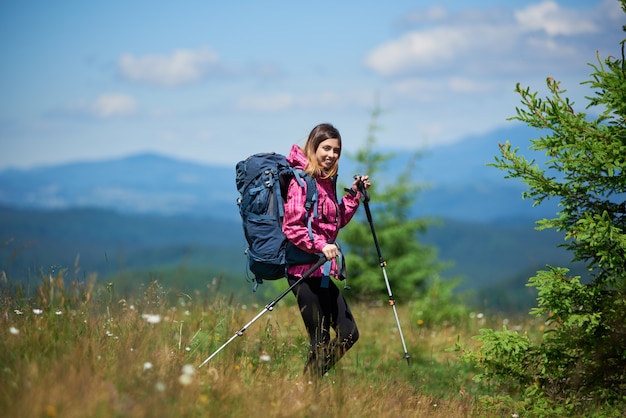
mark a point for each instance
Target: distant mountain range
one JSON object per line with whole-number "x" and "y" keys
{"x": 150, "y": 211}
{"x": 461, "y": 186}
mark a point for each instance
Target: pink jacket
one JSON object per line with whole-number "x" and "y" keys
{"x": 332, "y": 216}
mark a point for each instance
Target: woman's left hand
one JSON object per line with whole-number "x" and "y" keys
{"x": 361, "y": 179}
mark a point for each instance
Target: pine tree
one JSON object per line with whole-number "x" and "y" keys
{"x": 409, "y": 263}
{"x": 579, "y": 363}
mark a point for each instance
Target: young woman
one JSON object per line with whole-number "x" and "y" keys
{"x": 321, "y": 303}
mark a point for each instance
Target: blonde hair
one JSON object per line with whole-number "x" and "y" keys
{"x": 319, "y": 134}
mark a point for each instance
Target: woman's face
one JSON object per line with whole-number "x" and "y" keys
{"x": 327, "y": 153}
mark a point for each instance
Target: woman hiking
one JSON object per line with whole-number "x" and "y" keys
{"x": 322, "y": 305}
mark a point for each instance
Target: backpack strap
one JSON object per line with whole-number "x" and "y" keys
{"x": 310, "y": 203}
{"x": 311, "y": 200}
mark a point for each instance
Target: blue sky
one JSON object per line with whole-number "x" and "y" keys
{"x": 213, "y": 82}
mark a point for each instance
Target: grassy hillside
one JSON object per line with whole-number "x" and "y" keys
{"x": 82, "y": 352}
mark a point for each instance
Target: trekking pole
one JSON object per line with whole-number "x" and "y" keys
{"x": 366, "y": 198}
{"x": 268, "y": 307}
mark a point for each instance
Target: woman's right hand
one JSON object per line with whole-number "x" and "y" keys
{"x": 365, "y": 180}
{"x": 330, "y": 251}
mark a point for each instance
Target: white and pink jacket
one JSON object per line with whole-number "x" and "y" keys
{"x": 332, "y": 216}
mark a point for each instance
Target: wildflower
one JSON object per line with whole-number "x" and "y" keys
{"x": 265, "y": 357}
{"x": 152, "y": 318}
{"x": 51, "y": 411}
{"x": 480, "y": 316}
{"x": 18, "y": 312}
{"x": 14, "y": 330}
{"x": 147, "y": 365}
{"x": 108, "y": 333}
{"x": 37, "y": 311}
{"x": 189, "y": 369}
{"x": 59, "y": 312}
{"x": 160, "y": 387}
{"x": 187, "y": 377}
{"x": 420, "y": 322}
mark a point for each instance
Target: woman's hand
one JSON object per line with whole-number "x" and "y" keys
{"x": 361, "y": 179}
{"x": 330, "y": 251}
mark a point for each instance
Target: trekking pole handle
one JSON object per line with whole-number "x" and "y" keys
{"x": 365, "y": 196}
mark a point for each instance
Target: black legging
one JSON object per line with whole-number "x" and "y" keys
{"x": 323, "y": 309}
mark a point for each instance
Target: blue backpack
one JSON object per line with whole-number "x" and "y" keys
{"x": 262, "y": 181}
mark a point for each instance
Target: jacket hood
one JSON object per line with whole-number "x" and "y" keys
{"x": 296, "y": 157}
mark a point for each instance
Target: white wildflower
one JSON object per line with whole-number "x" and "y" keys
{"x": 18, "y": 312}
{"x": 147, "y": 365}
{"x": 37, "y": 311}
{"x": 185, "y": 379}
{"x": 152, "y": 318}
{"x": 14, "y": 330}
{"x": 265, "y": 357}
{"x": 189, "y": 369}
{"x": 59, "y": 312}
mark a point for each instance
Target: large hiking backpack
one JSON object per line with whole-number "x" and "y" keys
{"x": 262, "y": 181}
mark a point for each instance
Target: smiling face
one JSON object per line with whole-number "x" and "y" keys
{"x": 327, "y": 153}
{"x": 322, "y": 150}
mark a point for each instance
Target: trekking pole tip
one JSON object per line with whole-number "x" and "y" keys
{"x": 407, "y": 356}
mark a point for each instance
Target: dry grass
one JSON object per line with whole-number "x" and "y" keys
{"x": 82, "y": 358}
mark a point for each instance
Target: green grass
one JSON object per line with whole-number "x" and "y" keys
{"x": 78, "y": 350}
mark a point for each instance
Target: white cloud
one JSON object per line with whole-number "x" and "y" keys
{"x": 183, "y": 66}
{"x": 523, "y": 41}
{"x": 554, "y": 20}
{"x": 425, "y": 49}
{"x": 108, "y": 105}
{"x": 105, "y": 106}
